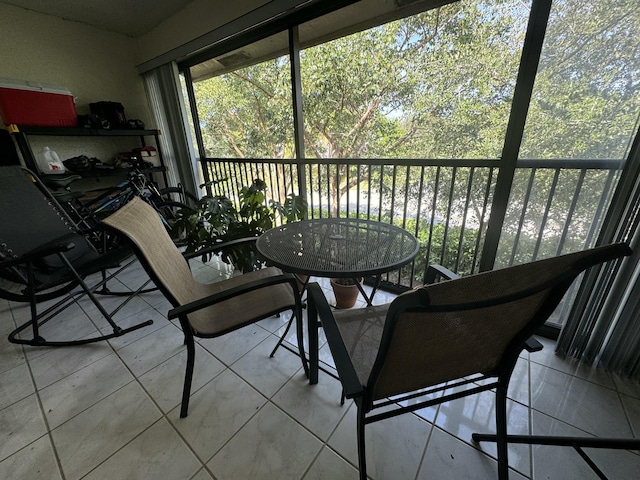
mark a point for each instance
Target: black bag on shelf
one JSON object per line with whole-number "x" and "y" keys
{"x": 113, "y": 112}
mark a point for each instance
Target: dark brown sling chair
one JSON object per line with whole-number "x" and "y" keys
{"x": 43, "y": 257}
{"x": 464, "y": 332}
{"x": 204, "y": 310}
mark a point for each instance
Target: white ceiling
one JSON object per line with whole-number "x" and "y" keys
{"x": 128, "y": 17}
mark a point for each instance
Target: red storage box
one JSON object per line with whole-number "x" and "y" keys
{"x": 32, "y": 103}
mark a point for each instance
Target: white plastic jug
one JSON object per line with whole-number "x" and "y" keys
{"x": 49, "y": 162}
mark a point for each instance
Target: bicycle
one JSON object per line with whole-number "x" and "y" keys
{"x": 87, "y": 213}
{"x": 85, "y": 216}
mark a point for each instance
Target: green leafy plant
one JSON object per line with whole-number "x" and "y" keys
{"x": 215, "y": 219}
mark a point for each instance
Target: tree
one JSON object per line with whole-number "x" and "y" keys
{"x": 439, "y": 85}
{"x": 247, "y": 113}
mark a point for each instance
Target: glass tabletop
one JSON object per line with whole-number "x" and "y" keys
{"x": 338, "y": 247}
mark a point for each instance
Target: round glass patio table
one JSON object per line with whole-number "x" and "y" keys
{"x": 335, "y": 248}
{"x": 339, "y": 248}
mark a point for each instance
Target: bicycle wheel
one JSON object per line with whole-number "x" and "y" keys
{"x": 13, "y": 287}
{"x": 178, "y": 194}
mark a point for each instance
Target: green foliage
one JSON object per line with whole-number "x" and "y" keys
{"x": 215, "y": 220}
{"x": 440, "y": 84}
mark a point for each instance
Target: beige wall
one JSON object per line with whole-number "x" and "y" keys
{"x": 98, "y": 65}
{"x": 93, "y": 64}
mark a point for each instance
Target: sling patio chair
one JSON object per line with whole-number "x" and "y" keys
{"x": 44, "y": 257}
{"x": 204, "y": 310}
{"x": 463, "y": 335}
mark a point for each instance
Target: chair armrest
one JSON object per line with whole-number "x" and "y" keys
{"x": 532, "y": 345}
{"x": 435, "y": 271}
{"x": 216, "y": 248}
{"x": 319, "y": 306}
{"x": 233, "y": 292}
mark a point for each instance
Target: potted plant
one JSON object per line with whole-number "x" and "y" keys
{"x": 215, "y": 219}
{"x": 346, "y": 291}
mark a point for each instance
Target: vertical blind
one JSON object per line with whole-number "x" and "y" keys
{"x": 166, "y": 100}
{"x": 603, "y": 327}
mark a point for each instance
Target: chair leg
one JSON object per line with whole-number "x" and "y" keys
{"x": 312, "y": 327}
{"x": 188, "y": 377}
{"x": 300, "y": 335}
{"x": 362, "y": 453}
{"x": 32, "y": 304}
{"x": 501, "y": 431}
{"x": 286, "y": 330}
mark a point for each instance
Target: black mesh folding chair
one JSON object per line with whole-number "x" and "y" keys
{"x": 463, "y": 335}
{"x": 204, "y": 310}
{"x": 43, "y": 257}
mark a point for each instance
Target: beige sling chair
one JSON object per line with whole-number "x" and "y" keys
{"x": 204, "y": 310}
{"x": 465, "y": 332}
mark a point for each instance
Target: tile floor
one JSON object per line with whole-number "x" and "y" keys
{"x": 110, "y": 410}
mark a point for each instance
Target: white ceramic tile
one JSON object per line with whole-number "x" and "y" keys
{"x": 448, "y": 458}
{"x": 153, "y": 349}
{"x": 428, "y": 413}
{"x": 70, "y": 324}
{"x": 202, "y": 475}
{"x": 58, "y": 362}
{"x": 91, "y": 437}
{"x": 275, "y": 323}
{"x": 207, "y": 274}
{"x": 132, "y": 277}
{"x": 268, "y": 374}
{"x": 156, "y": 453}
{"x": 12, "y": 354}
{"x": 519, "y": 382}
{"x": 159, "y": 321}
{"x": 627, "y": 386}
{"x": 577, "y": 402}
{"x": 231, "y": 346}
{"x": 563, "y": 463}
{"x": 157, "y": 300}
{"x": 165, "y": 382}
{"x": 229, "y": 417}
{"x": 21, "y": 311}
{"x": 330, "y": 466}
{"x": 632, "y": 408}
{"x": 31, "y": 353}
{"x": 6, "y": 326}
{"x": 20, "y": 424}
{"x": 15, "y": 384}
{"x": 36, "y": 461}
{"x": 476, "y": 414}
{"x": 5, "y": 311}
{"x": 595, "y": 375}
{"x": 291, "y": 336}
{"x": 317, "y": 407}
{"x": 75, "y": 393}
{"x": 394, "y": 446}
{"x": 548, "y": 357}
{"x": 110, "y": 303}
{"x": 216, "y": 412}
{"x": 270, "y": 445}
{"x": 325, "y": 357}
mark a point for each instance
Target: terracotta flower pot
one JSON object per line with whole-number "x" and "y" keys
{"x": 345, "y": 291}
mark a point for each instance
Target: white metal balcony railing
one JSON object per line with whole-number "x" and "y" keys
{"x": 556, "y": 206}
